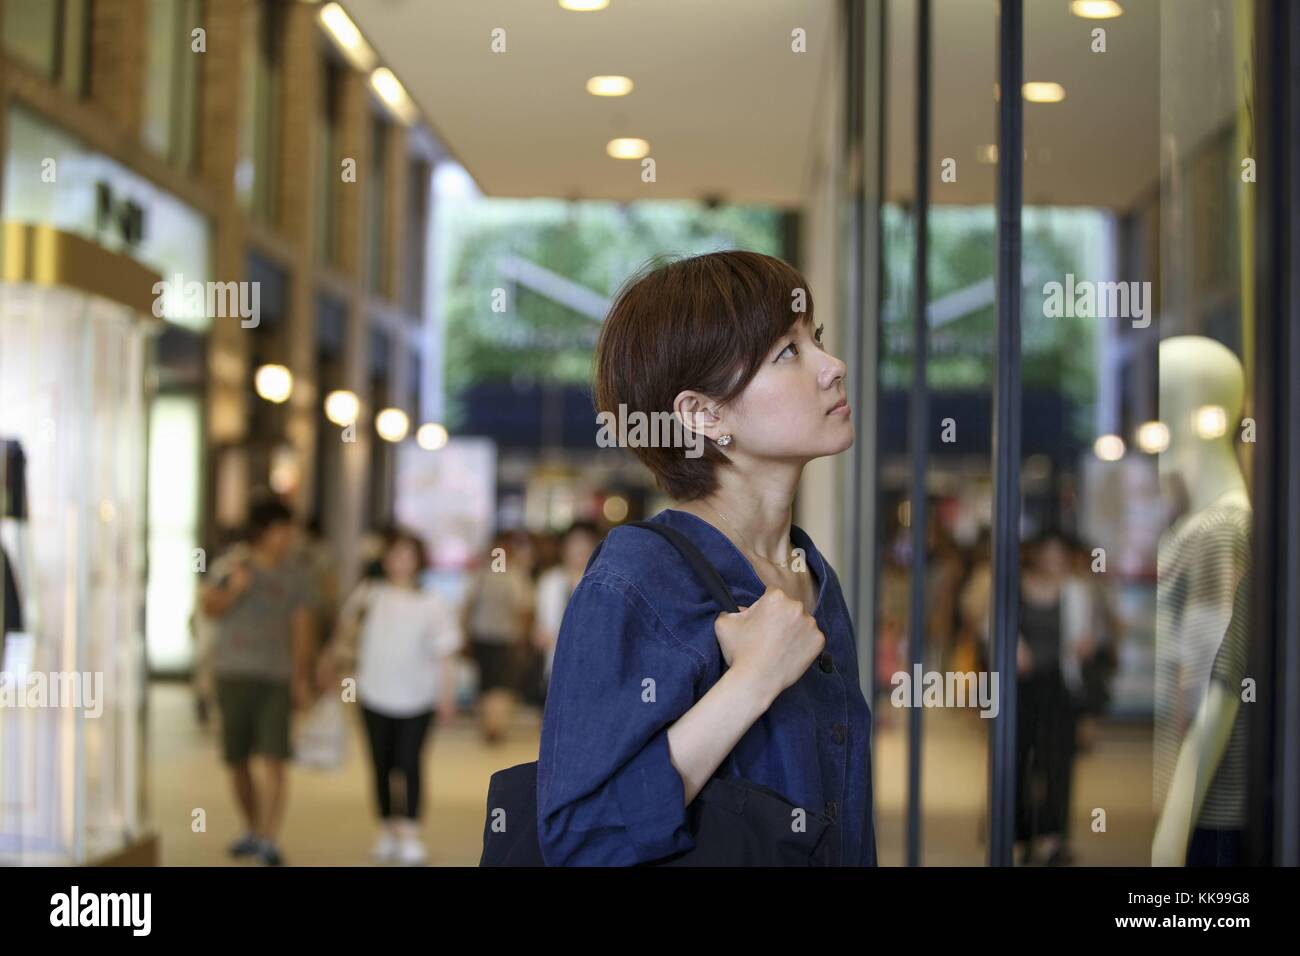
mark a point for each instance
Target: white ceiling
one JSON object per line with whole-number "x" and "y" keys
{"x": 728, "y": 108}
{"x": 724, "y": 103}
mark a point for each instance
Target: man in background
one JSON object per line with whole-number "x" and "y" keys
{"x": 262, "y": 603}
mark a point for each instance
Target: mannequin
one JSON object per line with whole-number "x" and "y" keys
{"x": 1200, "y": 744}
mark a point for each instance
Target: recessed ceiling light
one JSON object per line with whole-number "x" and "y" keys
{"x": 1096, "y": 9}
{"x": 583, "y": 6}
{"x": 347, "y": 36}
{"x": 392, "y": 92}
{"x": 1039, "y": 92}
{"x": 609, "y": 86}
{"x": 627, "y": 148}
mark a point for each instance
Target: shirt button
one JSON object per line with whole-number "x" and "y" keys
{"x": 826, "y": 663}
{"x": 838, "y": 733}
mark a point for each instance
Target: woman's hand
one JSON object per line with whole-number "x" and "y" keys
{"x": 771, "y": 643}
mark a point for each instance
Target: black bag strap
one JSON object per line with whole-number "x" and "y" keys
{"x": 705, "y": 571}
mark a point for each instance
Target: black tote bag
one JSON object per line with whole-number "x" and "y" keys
{"x": 734, "y": 822}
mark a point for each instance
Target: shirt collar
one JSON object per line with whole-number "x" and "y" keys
{"x": 731, "y": 562}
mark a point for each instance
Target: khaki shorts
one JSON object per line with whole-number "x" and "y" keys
{"x": 255, "y": 717}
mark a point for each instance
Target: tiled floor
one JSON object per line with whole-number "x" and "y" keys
{"x": 329, "y": 820}
{"x": 1114, "y": 778}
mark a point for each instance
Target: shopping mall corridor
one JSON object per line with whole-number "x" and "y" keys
{"x": 329, "y": 819}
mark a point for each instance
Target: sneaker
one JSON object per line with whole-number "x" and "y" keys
{"x": 412, "y": 852}
{"x": 269, "y": 854}
{"x": 247, "y": 845}
{"x": 385, "y": 848}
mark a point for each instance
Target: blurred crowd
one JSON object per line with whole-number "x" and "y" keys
{"x": 413, "y": 647}
{"x": 1066, "y": 657}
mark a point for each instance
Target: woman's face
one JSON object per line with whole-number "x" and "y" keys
{"x": 577, "y": 548}
{"x": 401, "y": 562}
{"x": 1053, "y": 559}
{"x": 796, "y": 407}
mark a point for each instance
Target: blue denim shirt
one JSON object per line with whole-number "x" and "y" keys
{"x": 636, "y": 650}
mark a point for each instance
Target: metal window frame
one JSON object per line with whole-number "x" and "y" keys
{"x": 1273, "y": 776}
{"x": 919, "y": 421}
{"x": 1006, "y": 431}
{"x": 1274, "y": 764}
{"x": 864, "y": 151}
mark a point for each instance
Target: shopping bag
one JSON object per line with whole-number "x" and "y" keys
{"x": 321, "y": 740}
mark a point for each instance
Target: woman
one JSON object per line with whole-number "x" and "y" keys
{"x": 556, "y": 585}
{"x": 651, "y": 687}
{"x": 399, "y": 638}
{"x": 1051, "y": 603}
{"x": 497, "y": 615}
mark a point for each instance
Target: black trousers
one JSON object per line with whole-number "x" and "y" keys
{"x": 396, "y": 744}
{"x": 1045, "y": 746}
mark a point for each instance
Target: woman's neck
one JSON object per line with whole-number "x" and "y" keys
{"x": 756, "y": 511}
{"x": 1045, "y": 587}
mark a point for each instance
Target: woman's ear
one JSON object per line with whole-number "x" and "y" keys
{"x": 697, "y": 414}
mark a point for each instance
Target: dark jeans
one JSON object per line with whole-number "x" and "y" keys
{"x": 396, "y": 744}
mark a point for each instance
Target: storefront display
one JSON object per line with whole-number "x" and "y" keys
{"x": 74, "y": 323}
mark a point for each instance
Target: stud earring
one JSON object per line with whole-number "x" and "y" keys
{"x": 724, "y": 440}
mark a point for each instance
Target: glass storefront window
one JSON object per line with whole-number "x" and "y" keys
{"x": 416, "y": 246}
{"x": 50, "y": 36}
{"x": 31, "y": 33}
{"x": 172, "y": 80}
{"x": 1206, "y": 326}
{"x": 71, "y": 396}
{"x": 175, "y": 240}
{"x": 381, "y": 451}
{"x": 376, "y": 207}
{"x": 328, "y": 170}
{"x": 1137, "y": 336}
{"x": 267, "y": 421}
{"x": 259, "y": 129}
{"x": 331, "y": 375}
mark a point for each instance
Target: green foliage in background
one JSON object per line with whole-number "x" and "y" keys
{"x": 1056, "y": 353}
{"x": 595, "y": 244}
{"x": 599, "y": 245}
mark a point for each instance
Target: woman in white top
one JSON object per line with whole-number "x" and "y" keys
{"x": 556, "y": 585}
{"x": 397, "y": 640}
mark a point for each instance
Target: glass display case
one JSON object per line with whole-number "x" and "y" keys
{"x": 74, "y": 327}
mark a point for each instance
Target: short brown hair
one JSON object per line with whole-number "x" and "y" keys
{"x": 395, "y": 535}
{"x": 703, "y": 323}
